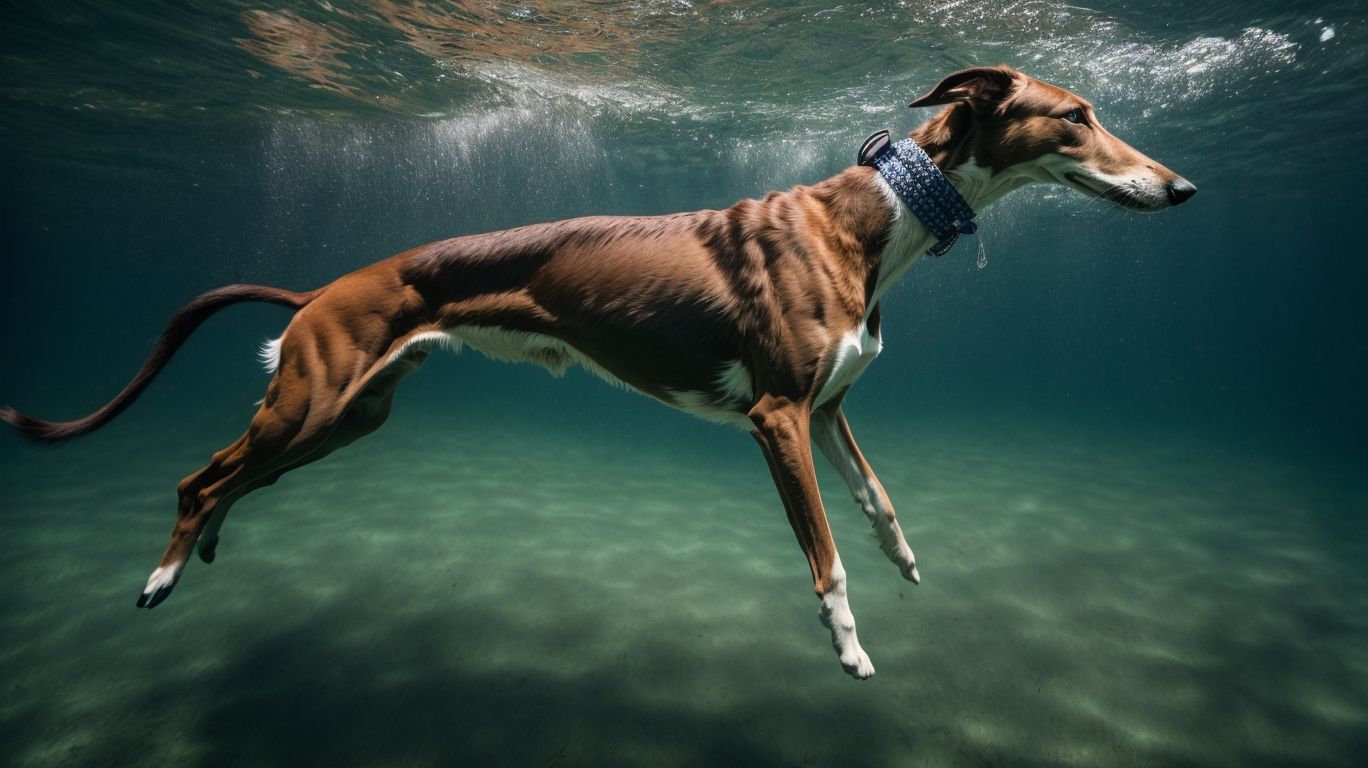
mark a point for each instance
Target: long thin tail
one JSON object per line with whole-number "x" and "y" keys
{"x": 182, "y": 324}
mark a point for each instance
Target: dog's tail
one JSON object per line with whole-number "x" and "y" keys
{"x": 182, "y": 324}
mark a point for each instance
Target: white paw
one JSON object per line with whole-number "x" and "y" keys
{"x": 911, "y": 573}
{"x": 856, "y": 663}
{"x": 159, "y": 585}
{"x": 836, "y": 616}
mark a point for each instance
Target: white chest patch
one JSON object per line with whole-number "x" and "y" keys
{"x": 855, "y": 350}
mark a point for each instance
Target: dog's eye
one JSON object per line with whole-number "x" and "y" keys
{"x": 1074, "y": 116}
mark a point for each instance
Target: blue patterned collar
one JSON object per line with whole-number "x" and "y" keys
{"x": 922, "y": 188}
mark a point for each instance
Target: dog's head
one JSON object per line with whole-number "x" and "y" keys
{"x": 1011, "y": 123}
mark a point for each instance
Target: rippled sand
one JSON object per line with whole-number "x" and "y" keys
{"x": 486, "y": 596}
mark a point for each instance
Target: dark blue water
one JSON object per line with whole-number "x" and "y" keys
{"x": 1186, "y": 386}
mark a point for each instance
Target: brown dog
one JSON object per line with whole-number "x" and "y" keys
{"x": 762, "y": 315}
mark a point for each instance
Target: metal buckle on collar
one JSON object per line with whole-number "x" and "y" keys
{"x": 872, "y": 147}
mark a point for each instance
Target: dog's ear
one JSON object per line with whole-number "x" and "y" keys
{"x": 979, "y": 86}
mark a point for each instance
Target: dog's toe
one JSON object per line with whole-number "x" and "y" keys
{"x": 159, "y": 586}
{"x": 208, "y": 549}
{"x": 858, "y": 665}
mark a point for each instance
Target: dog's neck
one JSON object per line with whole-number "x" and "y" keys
{"x": 948, "y": 138}
{"x": 864, "y": 210}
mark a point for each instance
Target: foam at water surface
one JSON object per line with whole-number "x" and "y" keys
{"x": 809, "y": 69}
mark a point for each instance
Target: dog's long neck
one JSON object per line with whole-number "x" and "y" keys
{"x": 949, "y": 139}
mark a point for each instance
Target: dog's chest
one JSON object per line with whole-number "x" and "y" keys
{"x": 851, "y": 354}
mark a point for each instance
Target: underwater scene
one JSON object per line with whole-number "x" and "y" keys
{"x": 1130, "y": 450}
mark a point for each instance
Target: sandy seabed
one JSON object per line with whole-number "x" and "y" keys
{"x": 504, "y": 597}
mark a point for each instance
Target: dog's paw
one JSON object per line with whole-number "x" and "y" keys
{"x": 159, "y": 586}
{"x": 911, "y": 573}
{"x": 857, "y": 664}
{"x": 208, "y": 549}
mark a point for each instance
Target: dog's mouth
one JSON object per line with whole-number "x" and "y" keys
{"x": 1121, "y": 195}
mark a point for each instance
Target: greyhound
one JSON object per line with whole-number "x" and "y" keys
{"x": 762, "y": 315}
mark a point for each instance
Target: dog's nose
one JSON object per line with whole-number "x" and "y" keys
{"x": 1179, "y": 189}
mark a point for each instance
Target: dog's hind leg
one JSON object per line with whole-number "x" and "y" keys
{"x": 782, "y": 430}
{"x": 201, "y": 495}
{"x": 315, "y": 404}
{"x": 366, "y": 414}
{"x": 831, "y": 432}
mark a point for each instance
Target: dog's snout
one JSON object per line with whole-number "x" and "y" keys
{"x": 1179, "y": 190}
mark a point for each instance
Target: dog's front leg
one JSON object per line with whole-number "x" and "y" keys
{"x": 782, "y": 429}
{"x": 831, "y": 432}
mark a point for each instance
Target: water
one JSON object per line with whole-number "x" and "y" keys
{"x": 1129, "y": 451}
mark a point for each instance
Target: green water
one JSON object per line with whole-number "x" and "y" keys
{"x": 1129, "y": 452}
